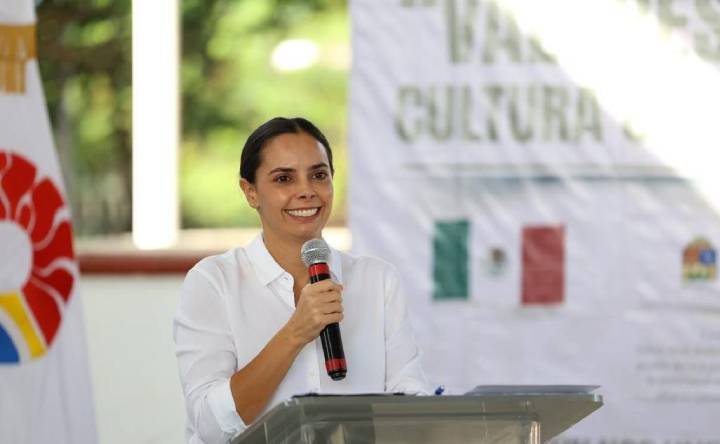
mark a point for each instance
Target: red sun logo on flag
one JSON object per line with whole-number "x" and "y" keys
{"x": 36, "y": 269}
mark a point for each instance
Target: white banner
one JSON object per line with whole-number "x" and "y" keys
{"x": 45, "y": 386}
{"x": 545, "y": 203}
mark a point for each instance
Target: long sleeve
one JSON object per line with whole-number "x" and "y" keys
{"x": 206, "y": 360}
{"x": 403, "y": 372}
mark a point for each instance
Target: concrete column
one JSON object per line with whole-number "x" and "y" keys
{"x": 156, "y": 128}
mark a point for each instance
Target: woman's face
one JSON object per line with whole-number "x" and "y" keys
{"x": 293, "y": 189}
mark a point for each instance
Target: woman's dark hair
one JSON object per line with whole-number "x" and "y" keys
{"x": 250, "y": 157}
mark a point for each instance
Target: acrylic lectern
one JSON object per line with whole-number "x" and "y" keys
{"x": 512, "y": 418}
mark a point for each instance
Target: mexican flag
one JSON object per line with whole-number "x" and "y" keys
{"x": 45, "y": 386}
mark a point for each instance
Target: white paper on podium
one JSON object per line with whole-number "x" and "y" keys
{"x": 531, "y": 389}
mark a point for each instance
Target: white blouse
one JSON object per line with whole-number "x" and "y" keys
{"x": 231, "y": 305}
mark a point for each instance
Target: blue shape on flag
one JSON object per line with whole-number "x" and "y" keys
{"x": 8, "y": 352}
{"x": 707, "y": 257}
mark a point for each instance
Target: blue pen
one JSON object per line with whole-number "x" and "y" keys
{"x": 440, "y": 390}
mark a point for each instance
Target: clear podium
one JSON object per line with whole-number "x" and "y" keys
{"x": 486, "y": 418}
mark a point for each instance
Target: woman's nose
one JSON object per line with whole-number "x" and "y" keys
{"x": 306, "y": 189}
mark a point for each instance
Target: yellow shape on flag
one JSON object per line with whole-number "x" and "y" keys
{"x": 17, "y": 46}
{"x": 12, "y": 304}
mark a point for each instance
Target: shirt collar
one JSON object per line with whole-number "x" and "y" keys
{"x": 336, "y": 266}
{"x": 268, "y": 269}
{"x": 264, "y": 264}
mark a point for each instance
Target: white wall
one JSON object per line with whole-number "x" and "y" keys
{"x": 129, "y": 329}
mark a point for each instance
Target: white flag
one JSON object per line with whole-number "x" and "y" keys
{"x": 45, "y": 386}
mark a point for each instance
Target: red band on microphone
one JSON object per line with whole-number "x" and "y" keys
{"x": 316, "y": 269}
{"x": 332, "y": 365}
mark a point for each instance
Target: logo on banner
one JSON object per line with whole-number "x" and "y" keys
{"x": 496, "y": 262}
{"x": 699, "y": 261}
{"x": 36, "y": 280}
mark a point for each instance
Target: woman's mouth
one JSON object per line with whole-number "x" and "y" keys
{"x": 304, "y": 212}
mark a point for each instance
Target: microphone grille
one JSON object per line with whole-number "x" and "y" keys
{"x": 315, "y": 251}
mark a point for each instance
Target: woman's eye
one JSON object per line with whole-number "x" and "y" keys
{"x": 282, "y": 179}
{"x": 321, "y": 175}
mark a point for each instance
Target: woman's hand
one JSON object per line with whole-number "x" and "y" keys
{"x": 319, "y": 304}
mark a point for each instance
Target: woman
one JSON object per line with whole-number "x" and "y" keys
{"x": 248, "y": 321}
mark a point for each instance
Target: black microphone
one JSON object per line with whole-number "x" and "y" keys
{"x": 316, "y": 255}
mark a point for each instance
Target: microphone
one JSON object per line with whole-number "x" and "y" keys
{"x": 316, "y": 255}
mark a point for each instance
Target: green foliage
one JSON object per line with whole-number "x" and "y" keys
{"x": 84, "y": 52}
{"x": 228, "y": 88}
{"x": 234, "y": 88}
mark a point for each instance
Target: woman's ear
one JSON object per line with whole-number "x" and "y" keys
{"x": 250, "y": 192}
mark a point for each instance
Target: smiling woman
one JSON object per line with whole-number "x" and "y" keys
{"x": 247, "y": 325}
{"x": 286, "y": 174}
